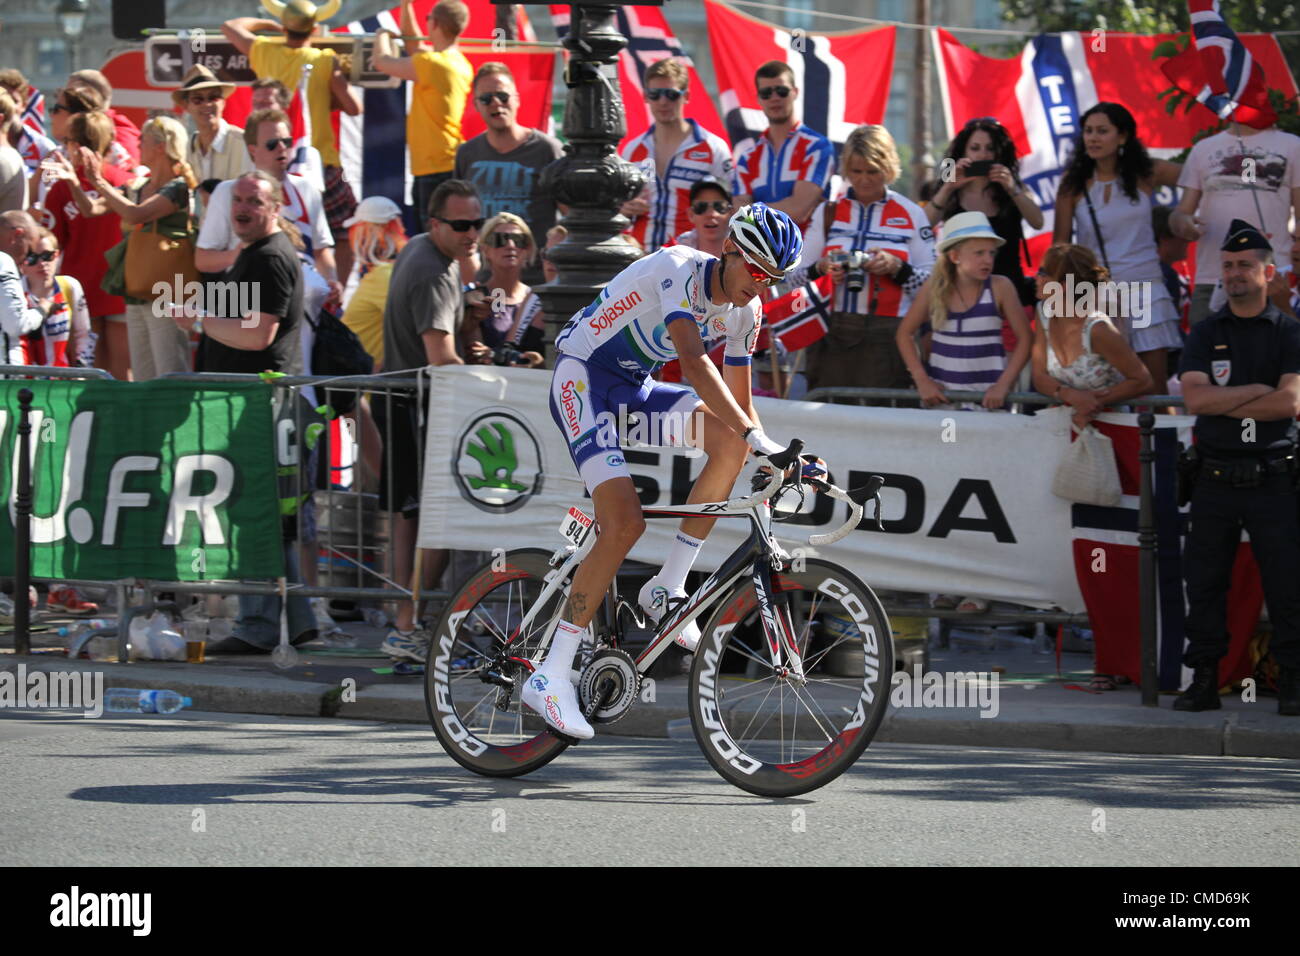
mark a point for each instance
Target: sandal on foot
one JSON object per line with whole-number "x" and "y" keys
{"x": 1101, "y": 682}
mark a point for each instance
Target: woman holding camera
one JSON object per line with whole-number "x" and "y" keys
{"x": 503, "y": 318}
{"x": 980, "y": 174}
{"x": 878, "y": 249}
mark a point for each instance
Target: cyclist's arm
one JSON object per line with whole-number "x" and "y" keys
{"x": 703, "y": 376}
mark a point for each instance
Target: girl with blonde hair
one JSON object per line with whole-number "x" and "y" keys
{"x": 160, "y": 203}
{"x": 376, "y": 236}
{"x": 503, "y": 324}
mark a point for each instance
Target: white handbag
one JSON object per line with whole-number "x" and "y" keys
{"x": 1088, "y": 473}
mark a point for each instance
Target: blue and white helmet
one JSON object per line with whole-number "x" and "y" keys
{"x": 766, "y": 237}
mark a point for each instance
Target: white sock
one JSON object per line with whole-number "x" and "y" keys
{"x": 559, "y": 657}
{"x": 681, "y": 556}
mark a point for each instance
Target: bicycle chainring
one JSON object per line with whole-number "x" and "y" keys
{"x": 606, "y": 666}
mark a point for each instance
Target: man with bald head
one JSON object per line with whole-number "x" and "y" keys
{"x": 17, "y": 229}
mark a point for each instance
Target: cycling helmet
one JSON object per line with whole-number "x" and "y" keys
{"x": 766, "y": 236}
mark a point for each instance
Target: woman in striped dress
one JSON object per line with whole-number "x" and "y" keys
{"x": 965, "y": 304}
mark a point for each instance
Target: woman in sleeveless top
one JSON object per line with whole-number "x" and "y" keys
{"x": 1105, "y": 201}
{"x": 965, "y": 304}
{"x": 503, "y": 323}
{"x": 1080, "y": 358}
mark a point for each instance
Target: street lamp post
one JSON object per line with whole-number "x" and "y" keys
{"x": 72, "y": 17}
{"x": 590, "y": 179}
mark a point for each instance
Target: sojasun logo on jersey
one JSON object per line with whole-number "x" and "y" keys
{"x": 610, "y": 314}
{"x": 571, "y": 403}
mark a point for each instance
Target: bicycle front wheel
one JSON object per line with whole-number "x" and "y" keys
{"x": 771, "y": 732}
{"x": 472, "y": 690}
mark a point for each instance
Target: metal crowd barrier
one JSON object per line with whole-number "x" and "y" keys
{"x": 349, "y": 550}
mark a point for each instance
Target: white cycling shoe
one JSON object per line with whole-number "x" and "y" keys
{"x": 654, "y": 600}
{"x": 555, "y": 700}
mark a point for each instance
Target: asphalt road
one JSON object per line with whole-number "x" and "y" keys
{"x": 215, "y": 789}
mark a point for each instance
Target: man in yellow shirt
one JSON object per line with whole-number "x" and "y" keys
{"x": 442, "y": 78}
{"x": 300, "y": 66}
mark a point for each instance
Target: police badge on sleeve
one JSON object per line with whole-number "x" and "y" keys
{"x": 1222, "y": 371}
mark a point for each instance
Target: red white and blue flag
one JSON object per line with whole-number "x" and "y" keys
{"x": 1219, "y": 71}
{"x": 1106, "y": 563}
{"x": 649, "y": 40}
{"x": 830, "y": 102}
{"x": 1040, "y": 94}
{"x": 799, "y": 318}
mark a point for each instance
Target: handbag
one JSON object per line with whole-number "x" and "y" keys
{"x": 1088, "y": 473}
{"x": 152, "y": 257}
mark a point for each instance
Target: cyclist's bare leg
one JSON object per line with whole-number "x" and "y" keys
{"x": 618, "y": 511}
{"x": 726, "y": 453}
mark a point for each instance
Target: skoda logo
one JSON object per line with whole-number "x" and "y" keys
{"x": 498, "y": 461}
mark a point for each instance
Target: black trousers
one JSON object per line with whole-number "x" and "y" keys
{"x": 1269, "y": 515}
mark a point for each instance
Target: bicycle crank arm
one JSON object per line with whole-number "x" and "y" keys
{"x": 599, "y": 699}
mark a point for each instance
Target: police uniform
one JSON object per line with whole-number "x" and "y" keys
{"x": 1242, "y": 483}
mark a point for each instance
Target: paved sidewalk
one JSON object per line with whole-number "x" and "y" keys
{"x": 1035, "y": 707}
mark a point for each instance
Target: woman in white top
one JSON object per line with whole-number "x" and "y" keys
{"x": 1079, "y": 357}
{"x": 1105, "y": 202}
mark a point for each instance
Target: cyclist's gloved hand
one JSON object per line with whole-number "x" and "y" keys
{"x": 813, "y": 467}
{"x": 761, "y": 444}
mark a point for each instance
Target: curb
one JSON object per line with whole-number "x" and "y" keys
{"x": 1120, "y": 729}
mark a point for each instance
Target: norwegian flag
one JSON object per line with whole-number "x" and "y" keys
{"x": 829, "y": 101}
{"x": 649, "y": 39}
{"x": 1219, "y": 71}
{"x": 34, "y": 111}
{"x": 799, "y": 318}
{"x": 1106, "y": 560}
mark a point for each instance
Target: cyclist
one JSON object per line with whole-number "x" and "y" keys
{"x": 674, "y": 303}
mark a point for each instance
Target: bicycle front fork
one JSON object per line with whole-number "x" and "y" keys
{"x": 778, "y": 628}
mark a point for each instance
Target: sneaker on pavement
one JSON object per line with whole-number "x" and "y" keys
{"x": 68, "y": 600}
{"x": 656, "y": 600}
{"x": 406, "y": 644}
{"x": 556, "y": 701}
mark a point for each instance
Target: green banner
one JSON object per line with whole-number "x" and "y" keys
{"x": 167, "y": 480}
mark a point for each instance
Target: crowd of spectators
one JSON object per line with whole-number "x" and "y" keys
{"x": 934, "y": 293}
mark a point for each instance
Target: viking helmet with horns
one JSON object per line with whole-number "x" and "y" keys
{"x": 301, "y": 16}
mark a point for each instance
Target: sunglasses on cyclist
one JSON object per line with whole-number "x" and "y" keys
{"x": 33, "y": 258}
{"x": 283, "y": 140}
{"x": 765, "y": 92}
{"x": 672, "y": 94}
{"x": 717, "y": 205}
{"x": 758, "y": 273}
{"x": 463, "y": 225}
{"x": 500, "y": 240}
{"x": 498, "y": 95}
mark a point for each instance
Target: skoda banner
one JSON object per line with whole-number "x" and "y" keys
{"x": 163, "y": 480}
{"x": 968, "y": 506}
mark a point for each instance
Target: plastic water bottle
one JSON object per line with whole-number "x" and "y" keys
{"x": 94, "y": 624}
{"x": 131, "y": 700}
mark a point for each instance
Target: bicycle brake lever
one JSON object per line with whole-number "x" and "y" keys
{"x": 880, "y": 525}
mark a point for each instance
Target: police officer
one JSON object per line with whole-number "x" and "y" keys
{"x": 1240, "y": 375}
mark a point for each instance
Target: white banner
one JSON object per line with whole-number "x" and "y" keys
{"x": 968, "y": 507}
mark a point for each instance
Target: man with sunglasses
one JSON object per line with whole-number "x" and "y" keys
{"x": 674, "y": 303}
{"x": 270, "y": 147}
{"x": 442, "y": 78}
{"x": 216, "y": 148}
{"x": 422, "y": 315}
{"x": 674, "y": 153}
{"x": 505, "y": 162}
{"x": 788, "y": 167}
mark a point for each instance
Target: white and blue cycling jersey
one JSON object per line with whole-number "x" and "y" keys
{"x": 608, "y": 351}
{"x": 626, "y": 329}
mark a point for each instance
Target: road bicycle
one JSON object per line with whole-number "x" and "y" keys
{"x": 787, "y": 687}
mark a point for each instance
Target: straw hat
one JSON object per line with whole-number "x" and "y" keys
{"x": 200, "y": 78}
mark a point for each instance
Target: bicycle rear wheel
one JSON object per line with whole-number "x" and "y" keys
{"x": 769, "y": 733}
{"x": 470, "y": 692}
